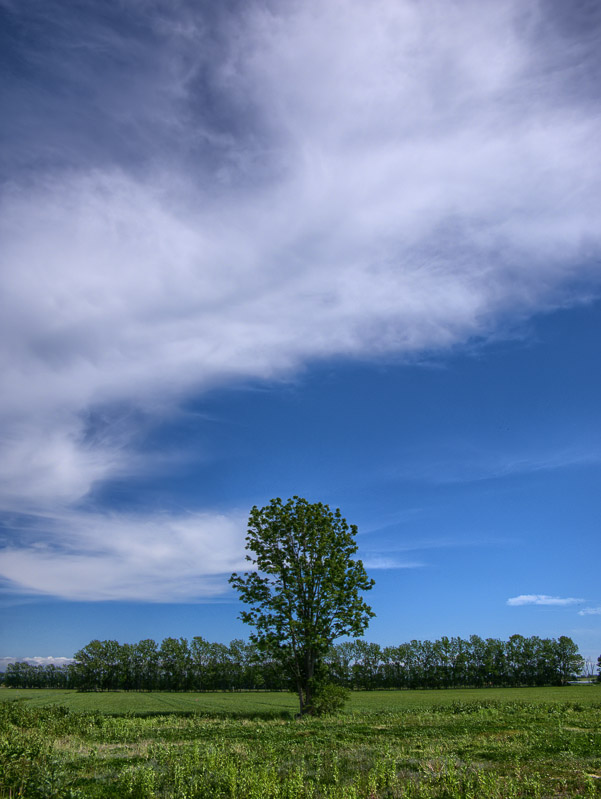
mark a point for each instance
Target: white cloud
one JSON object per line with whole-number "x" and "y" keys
{"x": 590, "y": 612}
{"x": 542, "y": 599}
{"x": 154, "y": 558}
{"x": 380, "y": 178}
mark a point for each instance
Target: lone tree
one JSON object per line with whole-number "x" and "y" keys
{"x": 305, "y": 591}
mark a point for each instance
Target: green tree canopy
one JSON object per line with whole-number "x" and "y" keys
{"x": 305, "y": 591}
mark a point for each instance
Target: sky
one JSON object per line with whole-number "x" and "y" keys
{"x": 343, "y": 250}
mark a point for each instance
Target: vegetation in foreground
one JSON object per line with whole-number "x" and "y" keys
{"x": 484, "y": 748}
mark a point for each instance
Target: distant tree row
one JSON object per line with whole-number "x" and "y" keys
{"x": 26, "y": 675}
{"x": 199, "y": 665}
{"x": 456, "y": 663}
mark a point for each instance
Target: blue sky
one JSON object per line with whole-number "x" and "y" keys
{"x": 342, "y": 250}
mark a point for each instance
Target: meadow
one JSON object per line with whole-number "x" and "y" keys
{"x": 500, "y": 743}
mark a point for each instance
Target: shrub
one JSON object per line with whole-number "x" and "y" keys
{"x": 328, "y": 699}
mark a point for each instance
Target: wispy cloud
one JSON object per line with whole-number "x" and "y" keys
{"x": 543, "y": 599}
{"x": 372, "y": 562}
{"x": 590, "y": 612}
{"x": 231, "y": 196}
{"x": 460, "y": 464}
{"x": 153, "y": 557}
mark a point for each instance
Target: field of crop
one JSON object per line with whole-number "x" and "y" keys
{"x": 504, "y": 744}
{"x": 266, "y": 703}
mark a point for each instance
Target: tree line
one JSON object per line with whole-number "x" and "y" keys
{"x": 200, "y": 665}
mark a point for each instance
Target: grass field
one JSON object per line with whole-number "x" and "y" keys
{"x": 258, "y": 703}
{"x": 503, "y": 744}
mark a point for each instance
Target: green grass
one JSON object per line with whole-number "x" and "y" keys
{"x": 277, "y": 703}
{"x": 497, "y": 744}
{"x": 120, "y": 702}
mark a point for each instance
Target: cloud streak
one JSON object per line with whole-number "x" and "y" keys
{"x": 151, "y": 558}
{"x": 240, "y": 194}
{"x": 543, "y": 599}
{"x": 462, "y": 463}
{"x": 375, "y": 562}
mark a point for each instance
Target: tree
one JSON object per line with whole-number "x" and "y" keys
{"x": 89, "y": 667}
{"x": 200, "y": 652}
{"x": 145, "y": 664}
{"x": 305, "y": 591}
{"x": 569, "y": 661}
{"x": 366, "y": 670}
{"x": 176, "y": 663}
{"x": 339, "y": 659}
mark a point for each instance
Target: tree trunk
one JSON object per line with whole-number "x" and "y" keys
{"x": 305, "y": 685}
{"x": 301, "y": 697}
